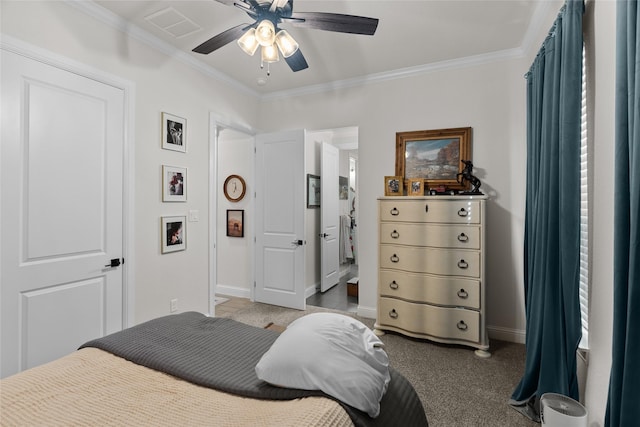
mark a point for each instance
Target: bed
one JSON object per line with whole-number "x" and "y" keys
{"x": 190, "y": 369}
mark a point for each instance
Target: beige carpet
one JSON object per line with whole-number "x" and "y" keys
{"x": 456, "y": 387}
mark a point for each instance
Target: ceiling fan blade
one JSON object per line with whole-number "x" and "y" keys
{"x": 296, "y": 61}
{"x": 334, "y": 22}
{"x": 222, "y": 39}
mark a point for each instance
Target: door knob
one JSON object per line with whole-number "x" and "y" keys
{"x": 323, "y": 235}
{"x": 115, "y": 262}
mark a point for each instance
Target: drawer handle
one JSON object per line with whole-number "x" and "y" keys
{"x": 395, "y": 234}
{"x": 394, "y": 258}
{"x": 463, "y": 237}
{"x": 393, "y": 314}
{"x": 394, "y": 285}
{"x": 394, "y": 212}
{"x": 463, "y": 212}
{"x": 462, "y": 326}
{"x": 463, "y": 294}
{"x": 463, "y": 264}
{"x": 426, "y": 208}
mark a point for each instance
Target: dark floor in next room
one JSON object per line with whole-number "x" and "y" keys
{"x": 335, "y": 298}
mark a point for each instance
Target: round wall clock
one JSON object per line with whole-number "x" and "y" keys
{"x": 234, "y": 188}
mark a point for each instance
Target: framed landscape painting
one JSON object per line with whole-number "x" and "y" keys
{"x": 433, "y": 155}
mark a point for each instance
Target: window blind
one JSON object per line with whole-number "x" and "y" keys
{"x": 584, "y": 214}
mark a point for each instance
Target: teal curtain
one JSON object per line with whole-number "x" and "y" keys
{"x": 623, "y": 405}
{"x": 552, "y": 215}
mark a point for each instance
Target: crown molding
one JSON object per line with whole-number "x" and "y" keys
{"x": 92, "y": 9}
{"x": 106, "y": 16}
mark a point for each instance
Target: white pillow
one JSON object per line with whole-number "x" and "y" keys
{"x": 333, "y": 353}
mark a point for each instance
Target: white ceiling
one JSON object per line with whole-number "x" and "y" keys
{"x": 411, "y": 35}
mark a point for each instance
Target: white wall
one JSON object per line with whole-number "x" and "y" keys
{"x": 161, "y": 84}
{"x": 488, "y": 97}
{"x": 234, "y": 254}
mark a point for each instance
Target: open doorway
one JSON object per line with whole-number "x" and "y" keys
{"x": 344, "y": 294}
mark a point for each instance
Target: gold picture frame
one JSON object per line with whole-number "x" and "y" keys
{"x": 415, "y": 187}
{"x": 433, "y": 155}
{"x": 393, "y": 185}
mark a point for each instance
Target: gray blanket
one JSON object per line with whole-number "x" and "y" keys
{"x": 222, "y": 354}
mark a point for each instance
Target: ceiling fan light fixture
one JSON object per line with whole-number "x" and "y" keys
{"x": 265, "y": 33}
{"x": 270, "y": 54}
{"x": 248, "y": 42}
{"x": 287, "y": 45}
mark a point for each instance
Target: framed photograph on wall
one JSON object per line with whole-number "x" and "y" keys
{"x": 415, "y": 187}
{"x": 174, "y": 133}
{"x": 174, "y": 184}
{"x": 174, "y": 234}
{"x": 343, "y": 187}
{"x": 393, "y": 186}
{"x": 235, "y": 222}
{"x": 313, "y": 191}
{"x": 434, "y": 155}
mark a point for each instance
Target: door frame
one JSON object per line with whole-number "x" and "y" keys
{"x": 45, "y": 56}
{"x": 216, "y": 124}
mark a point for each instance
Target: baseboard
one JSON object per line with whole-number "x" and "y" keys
{"x": 506, "y": 334}
{"x": 311, "y": 290}
{"x": 233, "y": 291}
{"x": 367, "y": 312}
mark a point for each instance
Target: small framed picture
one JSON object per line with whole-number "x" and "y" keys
{"x": 235, "y": 222}
{"x": 174, "y": 184}
{"x": 174, "y": 133}
{"x": 393, "y": 185}
{"x": 174, "y": 235}
{"x": 343, "y": 187}
{"x": 313, "y": 191}
{"x": 415, "y": 187}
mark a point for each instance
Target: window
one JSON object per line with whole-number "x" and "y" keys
{"x": 584, "y": 214}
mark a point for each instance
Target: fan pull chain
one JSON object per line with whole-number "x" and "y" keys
{"x": 262, "y": 67}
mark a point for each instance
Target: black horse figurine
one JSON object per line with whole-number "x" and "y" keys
{"x": 466, "y": 175}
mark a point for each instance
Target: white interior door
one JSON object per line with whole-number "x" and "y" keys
{"x": 61, "y": 213}
{"x": 330, "y": 217}
{"x": 280, "y": 220}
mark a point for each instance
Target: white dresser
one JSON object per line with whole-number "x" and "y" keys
{"x": 431, "y": 269}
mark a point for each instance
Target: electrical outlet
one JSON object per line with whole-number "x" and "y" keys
{"x": 174, "y": 305}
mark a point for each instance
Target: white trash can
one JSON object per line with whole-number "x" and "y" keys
{"x": 557, "y": 410}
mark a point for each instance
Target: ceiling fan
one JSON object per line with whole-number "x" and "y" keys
{"x": 265, "y": 31}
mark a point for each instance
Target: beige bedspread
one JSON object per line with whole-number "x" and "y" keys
{"x": 93, "y": 387}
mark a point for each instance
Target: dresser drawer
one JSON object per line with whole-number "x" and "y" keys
{"x": 442, "y": 236}
{"x": 454, "y": 262}
{"x": 438, "y": 211}
{"x": 452, "y": 291}
{"x": 455, "y": 323}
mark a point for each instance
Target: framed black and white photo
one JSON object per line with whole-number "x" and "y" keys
{"x": 235, "y": 222}
{"x": 313, "y": 191}
{"x": 174, "y": 234}
{"x": 174, "y": 184}
{"x": 174, "y": 133}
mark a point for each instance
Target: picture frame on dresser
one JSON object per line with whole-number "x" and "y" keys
{"x": 415, "y": 187}
{"x": 434, "y": 155}
{"x": 393, "y": 186}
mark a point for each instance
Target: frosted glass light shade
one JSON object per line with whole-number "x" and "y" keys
{"x": 270, "y": 54}
{"x": 265, "y": 33}
{"x": 287, "y": 45}
{"x": 248, "y": 42}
